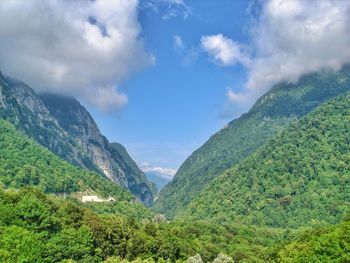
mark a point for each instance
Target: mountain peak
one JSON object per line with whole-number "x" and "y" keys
{"x": 65, "y": 127}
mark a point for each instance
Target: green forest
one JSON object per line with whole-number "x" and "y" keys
{"x": 23, "y": 162}
{"x": 35, "y": 227}
{"x": 286, "y": 202}
{"x": 272, "y": 113}
{"x": 174, "y": 131}
{"x": 299, "y": 178}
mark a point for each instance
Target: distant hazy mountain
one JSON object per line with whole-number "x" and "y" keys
{"x": 66, "y": 128}
{"x": 158, "y": 178}
{"x": 284, "y": 103}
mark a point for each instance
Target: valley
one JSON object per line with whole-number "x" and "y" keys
{"x": 291, "y": 192}
{"x": 175, "y": 131}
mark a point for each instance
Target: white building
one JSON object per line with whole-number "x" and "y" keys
{"x": 91, "y": 198}
{"x": 95, "y": 198}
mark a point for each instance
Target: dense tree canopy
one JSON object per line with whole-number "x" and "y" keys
{"x": 37, "y": 228}
{"x": 300, "y": 176}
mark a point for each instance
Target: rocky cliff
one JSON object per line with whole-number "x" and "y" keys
{"x": 66, "y": 128}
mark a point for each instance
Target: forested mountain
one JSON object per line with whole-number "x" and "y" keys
{"x": 111, "y": 158}
{"x": 284, "y": 103}
{"x": 283, "y": 203}
{"x": 24, "y": 162}
{"x": 66, "y": 128}
{"x": 300, "y": 177}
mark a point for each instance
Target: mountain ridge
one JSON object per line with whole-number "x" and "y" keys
{"x": 73, "y": 135}
{"x": 299, "y": 176}
{"x": 271, "y": 113}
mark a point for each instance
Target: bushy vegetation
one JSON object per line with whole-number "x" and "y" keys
{"x": 299, "y": 177}
{"x": 37, "y": 228}
{"x": 329, "y": 244}
{"x": 271, "y": 113}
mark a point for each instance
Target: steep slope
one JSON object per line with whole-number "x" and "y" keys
{"x": 300, "y": 176}
{"x": 158, "y": 178}
{"x": 133, "y": 168}
{"x": 23, "y": 162}
{"x": 241, "y": 137}
{"x": 70, "y": 132}
{"x": 23, "y": 108}
{"x": 112, "y": 159}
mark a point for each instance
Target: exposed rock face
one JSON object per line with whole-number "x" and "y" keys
{"x": 112, "y": 159}
{"x": 65, "y": 127}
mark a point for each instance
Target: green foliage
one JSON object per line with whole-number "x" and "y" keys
{"x": 129, "y": 209}
{"x": 195, "y": 259}
{"x": 120, "y": 150}
{"x": 331, "y": 244}
{"x": 300, "y": 177}
{"x": 17, "y": 244}
{"x": 88, "y": 141}
{"x": 65, "y": 127}
{"x": 24, "y": 162}
{"x": 70, "y": 243}
{"x": 77, "y": 234}
{"x": 222, "y": 258}
{"x": 270, "y": 114}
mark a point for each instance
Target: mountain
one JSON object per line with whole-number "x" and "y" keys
{"x": 298, "y": 178}
{"x": 159, "y": 179}
{"x": 26, "y": 163}
{"x": 111, "y": 158}
{"x": 67, "y": 129}
{"x": 284, "y": 103}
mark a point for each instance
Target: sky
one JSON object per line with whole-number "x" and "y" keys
{"x": 162, "y": 76}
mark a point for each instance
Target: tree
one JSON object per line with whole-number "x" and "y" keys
{"x": 20, "y": 245}
{"x": 222, "y": 258}
{"x": 195, "y": 259}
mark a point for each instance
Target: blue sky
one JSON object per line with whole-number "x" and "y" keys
{"x": 162, "y": 76}
{"x": 176, "y": 105}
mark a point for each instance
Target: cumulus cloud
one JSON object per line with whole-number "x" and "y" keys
{"x": 289, "y": 39}
{"x": 166, "y": 173}
{"x": 297, "y": 37}
{"x": 79, "y": 48}
{"x": 224, "y": 50}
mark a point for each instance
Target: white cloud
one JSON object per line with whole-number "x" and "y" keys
{"x": 169, "y": 9}
{"x": 298, "y": 37}
{"x": 178, "y": 43}
{"x": 78, "y": 48}
{"x": 224, "y": 50}
{"x": 290, "y": 38}
{"x": 166, "y": 173}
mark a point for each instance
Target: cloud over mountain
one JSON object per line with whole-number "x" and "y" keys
{"x": 288, "y": 39}
{"x": 79, "y": 48}
{"x": 166, "y": 173}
